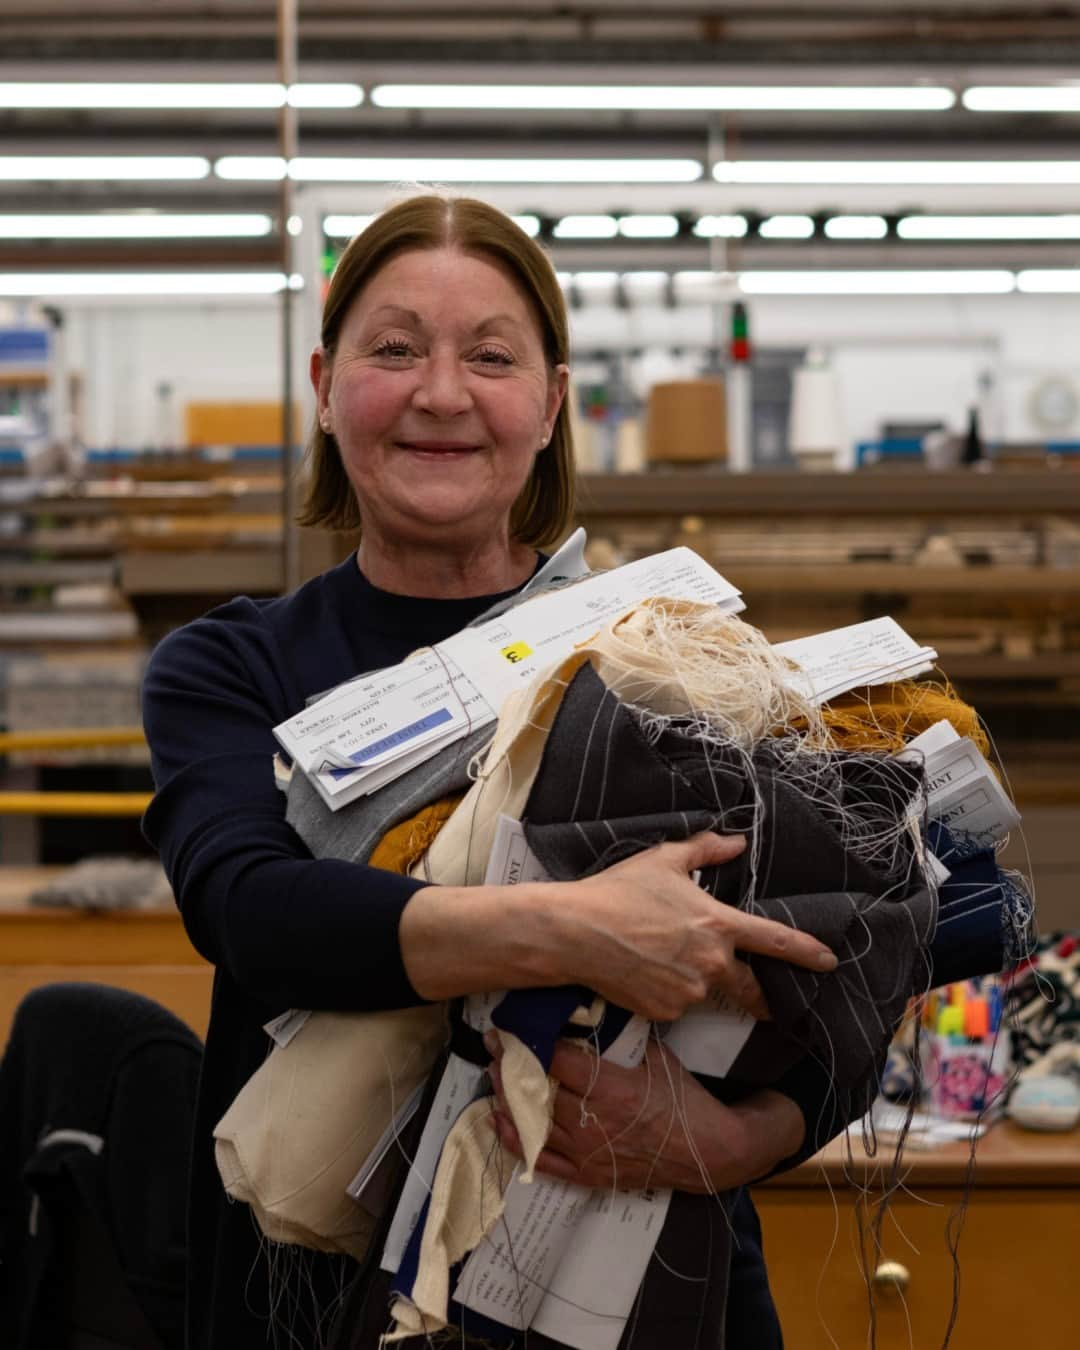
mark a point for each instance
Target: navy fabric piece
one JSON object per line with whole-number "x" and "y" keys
{"x": 972, "y": 911}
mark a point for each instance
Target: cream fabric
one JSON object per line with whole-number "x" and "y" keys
{"x": 463, "y": 1209}
{"x": 301, "y": 1128}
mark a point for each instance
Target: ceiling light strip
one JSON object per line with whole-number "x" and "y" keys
{"x": 989, "y": 281}
{"x": 72, "y": 284}
{"x": 102, "y": 168}
{"x": 390, "y": 169}
{"x": 135, "y": 225}
{"x": 997, "y": 98}
{"x": 665, "y": 98}
{"x": 175, "y": 97}
{"x": 949, "y": 173}
{"x": 989, "y": 227}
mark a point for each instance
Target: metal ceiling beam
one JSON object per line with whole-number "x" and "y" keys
{"x": 1049, "y": 43}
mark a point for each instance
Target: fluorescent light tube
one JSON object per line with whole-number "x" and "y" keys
{"x": 596, "y": 281}
{"x": 856, "y": 227}
{"x": 586, "y": 227}
{"x": 473, "y": 170}
{"x": 87, "y": 94}
{"x": 648, "y": 227}
{"x": 177, "y": 96}
{"x": 786, "y": 227}
{"x": 664, "y": 98}
{"x": 989, "y": 227}
{"x": 915, "y": 172}
{"x": 140, "y": 283}
{"x": 135, "y": 225}
{"x": 344, "y": 227}
{"x": 1049, "y": 280}
{"x": 1052, "y": 98}
{"x": 645, "y": 278}
{"x": 721, "y": 227}
{"x": 325, "y": 96}
{"x": 106, "y": 168}
{"x": 251, "y": 168}
{"x": 899, "y": 282}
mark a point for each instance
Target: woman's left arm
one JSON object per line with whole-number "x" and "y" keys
{"x": 655, "y": 1126}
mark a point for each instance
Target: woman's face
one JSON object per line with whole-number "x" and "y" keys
{"x": 439, "y": 397}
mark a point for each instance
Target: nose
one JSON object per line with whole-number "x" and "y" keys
{"x": 442, "y": 389}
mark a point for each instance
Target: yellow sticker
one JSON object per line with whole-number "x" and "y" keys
{"x": 517, "y": 651}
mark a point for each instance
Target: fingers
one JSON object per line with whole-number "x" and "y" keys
{"x": 705, "y": 850}
{"x": 577, "y": 1068}
{"x": 767, "y": 937}
{"x": 739, "y": 984}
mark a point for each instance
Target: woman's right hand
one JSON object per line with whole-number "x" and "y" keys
{"x": 641, "y": 933}
{"x": 644, "y": 935}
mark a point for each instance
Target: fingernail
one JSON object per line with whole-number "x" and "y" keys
{"x": 827, "y": 960}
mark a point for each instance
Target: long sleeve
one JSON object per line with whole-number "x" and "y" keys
{"x": 289, "y": 930}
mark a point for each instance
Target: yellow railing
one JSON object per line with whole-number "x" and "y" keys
{"x": 72, "y": 803}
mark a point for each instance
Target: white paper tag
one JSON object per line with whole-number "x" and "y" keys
{"x": 939, "y": 873}
{"x": 283, "y": 1028}
{"x": 936, "y": 737}
{"x": 508, "y": 1275}
{"x": 457, "y": 1088}
{"x": 978, "y": 809}
{"x": 708, "y": 1037}
{"x": 378, "y": 1153}
{"x": 512, "y": 860}
{"x": 958, "y": 763}
{"x": 507, "y": 652}
{"x": 592, "y": 1292}
{"x": 875, "y": 652}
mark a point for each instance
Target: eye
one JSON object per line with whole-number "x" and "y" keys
{"x": 396, "y": 349}
{"x": 493, "y": 356}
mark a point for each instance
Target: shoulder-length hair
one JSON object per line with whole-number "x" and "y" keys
{"x": 542, "y": 513}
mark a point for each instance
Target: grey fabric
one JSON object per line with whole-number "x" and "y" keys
{"x": 352, "y": 832}
{"x": 596, "y": 799}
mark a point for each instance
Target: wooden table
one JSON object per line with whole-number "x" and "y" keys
{"x": 143, "y": 950}
{"x": 1019, "y": 1247}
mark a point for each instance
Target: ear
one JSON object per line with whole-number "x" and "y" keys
{"x": 558, "y": 383}
{"x": 319, "y": 371}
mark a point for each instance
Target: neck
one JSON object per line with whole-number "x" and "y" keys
{"x": 444, "y": 571}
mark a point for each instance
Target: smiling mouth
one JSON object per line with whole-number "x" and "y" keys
{"x": 439, "y": 447}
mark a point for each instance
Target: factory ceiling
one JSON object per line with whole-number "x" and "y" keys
{"x": 946, "y": 45}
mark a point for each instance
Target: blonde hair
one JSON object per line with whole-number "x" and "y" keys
{"x": 542, "y": 513}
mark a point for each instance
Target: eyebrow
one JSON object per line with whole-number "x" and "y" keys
{"x": 413, "y": 317}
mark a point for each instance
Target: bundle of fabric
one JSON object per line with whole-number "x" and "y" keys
{"x": 673, "y": 719}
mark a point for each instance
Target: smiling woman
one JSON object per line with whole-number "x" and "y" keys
{"x": 457, "y": 322}
{"x": 439, "y": 398}
{"x": 443, "y": 434}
